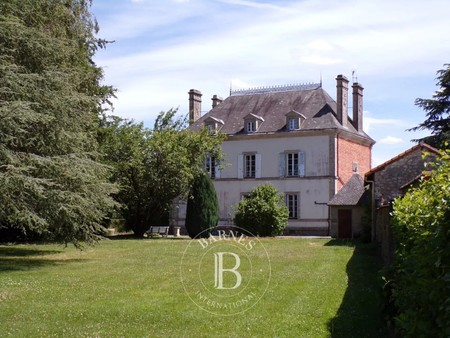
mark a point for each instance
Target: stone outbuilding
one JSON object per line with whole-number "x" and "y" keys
{"x": 348, "y": 209}
{"x": 391, "y": 180}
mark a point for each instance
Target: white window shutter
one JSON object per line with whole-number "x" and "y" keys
{"x": 240, "y": 166}
{"x": 258, "y": 166}
{"x": 301, "y": 164}
{"x": 282, "y": 164}
{"x": 217, "y": 170}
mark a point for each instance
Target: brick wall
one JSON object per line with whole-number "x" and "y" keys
{"x": 349, "y": 152}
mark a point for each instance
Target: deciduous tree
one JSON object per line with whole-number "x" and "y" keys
{"x": 154, "y": 166}
{"x": 263, "y": 212}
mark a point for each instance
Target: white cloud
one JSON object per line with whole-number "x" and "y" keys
{"x": 164, "y": 48}
{"x": 371, "y": 122}
{"x": 391, "y": 140}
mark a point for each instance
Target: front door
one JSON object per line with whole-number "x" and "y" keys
{"x": 344, "y": 223}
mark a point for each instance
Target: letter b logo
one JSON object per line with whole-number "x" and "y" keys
{"x": 219, "y": 270}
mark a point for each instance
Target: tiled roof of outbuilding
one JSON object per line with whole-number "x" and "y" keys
{"x": 351, "y": 192}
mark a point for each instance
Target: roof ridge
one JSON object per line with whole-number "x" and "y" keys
{"x": 276, "y": 89}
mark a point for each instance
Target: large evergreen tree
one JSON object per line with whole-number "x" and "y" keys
{"x": 51, "y": 183}
{"x": 438, "y": 112}
{"x": 202, "y": 213}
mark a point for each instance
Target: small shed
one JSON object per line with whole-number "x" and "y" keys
{"x": 348, "y": 209}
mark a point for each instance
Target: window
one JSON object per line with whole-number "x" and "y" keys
{"x": 211, "y": 127}
{"x": 292, "y": 204}
{"x": 292, "y": 164}
{"x": 251, "y": 126}
{"x": 250, "y": 166}
{"x": 293, "y": 124}
{"x": 210, "y": 166}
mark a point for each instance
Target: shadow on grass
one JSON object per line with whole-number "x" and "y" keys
{"x": 360, "y": 313}
{"x": 133, "y": 237}
{"x": 26, "y": 258}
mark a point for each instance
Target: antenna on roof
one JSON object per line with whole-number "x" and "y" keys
{"x": 231, "y": 87}
{"x": 354, "y": 76}
{"x": 320, "y": 79}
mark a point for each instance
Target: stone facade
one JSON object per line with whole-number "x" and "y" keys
{"x": 401, "y": 170}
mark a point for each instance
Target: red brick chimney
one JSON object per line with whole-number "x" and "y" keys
{"x": 342, "y": 99}
{"x": 358, "y": 106}
{"x": 195, "y": 105}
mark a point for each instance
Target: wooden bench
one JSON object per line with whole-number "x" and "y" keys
{"x": 160, "y": 230}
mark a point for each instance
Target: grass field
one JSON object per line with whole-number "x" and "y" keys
{"x": 132, "y": 288}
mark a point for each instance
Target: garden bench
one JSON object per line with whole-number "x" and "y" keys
{"x": 160, "y": 230}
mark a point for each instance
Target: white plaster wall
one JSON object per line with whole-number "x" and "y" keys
{"x": 314, "y": 187}
{"x": 316, "y": 149}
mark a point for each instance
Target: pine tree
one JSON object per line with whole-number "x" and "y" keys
{"x": 52, "y": 185}
{"x": 202, "y": 213}
{"x": 438, "y": 112}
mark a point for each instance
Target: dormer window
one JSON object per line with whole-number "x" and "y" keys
{"x": 213, "y": 124}
{"x": 294, "y": 120}
{"x": 251, "y": 126}
{"x": 252, "y": 123}
{"x": 293, "y": 124}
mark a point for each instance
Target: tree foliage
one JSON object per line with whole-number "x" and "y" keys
{"x": 420, "y": 282}
{"x": 202, "y": 213}
{"x": 52, "y": 185}
{"x": 153, "y": 167}
{"x": 438, "y": 112}
{"x": 263, "y": 212}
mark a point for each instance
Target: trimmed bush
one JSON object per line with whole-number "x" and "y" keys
{"x": 263, "y": 213}
{"x": 420, "y": 275}
{"x": 202, "y": 208}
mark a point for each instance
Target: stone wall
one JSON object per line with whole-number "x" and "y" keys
{"x": 390, "y": 179}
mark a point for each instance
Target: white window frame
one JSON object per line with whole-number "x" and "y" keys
{"x": 212, "y": 167}
{"x": 292, "y": 203}
{"x": 292, "y": 167}
{"x": 250, "y": 166}
{"x": 243, "y": 169}
{"x": 251, "y": 126}
{"x": 293, "y": 123}
{"x": 292, "y": 164}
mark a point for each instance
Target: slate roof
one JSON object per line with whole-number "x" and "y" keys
{"x": 312, "y": 102}
{"x": 351, "y": 192}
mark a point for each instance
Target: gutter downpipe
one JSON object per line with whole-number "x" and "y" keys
{"x": 372, "y": 207}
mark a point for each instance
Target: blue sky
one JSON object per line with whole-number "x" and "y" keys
{"x": 163, "y": 48}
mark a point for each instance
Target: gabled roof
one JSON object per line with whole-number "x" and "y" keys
{"x": 214, "y": 119}
{"x": 422, "y": 146}
{"x": 351, "y": 192}
{"x": 314, "y": 103}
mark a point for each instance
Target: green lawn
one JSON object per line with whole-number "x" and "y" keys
{"x": 132, "y": 288}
